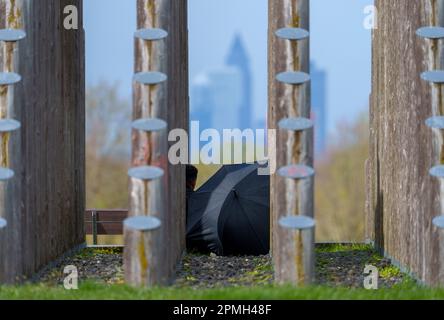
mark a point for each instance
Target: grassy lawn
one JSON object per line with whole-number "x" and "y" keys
{"x": 90, "y": 291}
{"x": 408, "y": 289}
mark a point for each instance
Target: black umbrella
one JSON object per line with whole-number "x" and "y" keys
{"x": 230, "y": 213}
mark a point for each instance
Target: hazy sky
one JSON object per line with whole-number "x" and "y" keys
{"x": 339, "y": 44}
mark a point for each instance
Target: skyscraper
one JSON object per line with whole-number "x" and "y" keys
{"x": 216, "y": 98}
{"x": 238, "y": 58}
{"x": 221, "y": 98}
{"x": 318, "y": 106}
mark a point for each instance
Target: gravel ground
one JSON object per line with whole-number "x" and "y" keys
{"x": 346, "y": 268}
{"x": 335, "y": 266}
{"x": 212, "y": 271}
{"x": 102, "y": 265}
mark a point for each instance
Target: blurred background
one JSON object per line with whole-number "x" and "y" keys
{"x": 228, "y": 89}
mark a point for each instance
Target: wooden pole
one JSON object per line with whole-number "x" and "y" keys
{"x": 435, "y": 62}
{"x": 403, "y": 198}
{"x": 151, "y": 256}
{"x": 290, "y": 197}
{"x": 10, "y": 10}
{"x": 44, "y": 202}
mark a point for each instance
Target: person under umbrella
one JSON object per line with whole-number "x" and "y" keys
{"x": 230, "y": 213}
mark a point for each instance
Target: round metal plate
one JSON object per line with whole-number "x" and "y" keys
{"x": 436, "y": 76}
{"x": 296, "y": 124}
{"x": 149, "y": 125}
{"x": 146, "y": 173}
{"x": 296, "y": 172}
{"x": 9, "y": 125}
{"x": 150, "y": 78}
{"x": 292, "y": 33}
{"x": 431, "y": 32}
{"x": 437, "y": 172}
{"x": 12, "y": 35}
{"x": 151, "y": 34}
{"x": 439, "y": 222}
{"x": 435, "y": 122}
{"x": 9, "y": 78}
{"x": 6, "y": 174}
{"x": 293, "y": 77}
{"x": 297, "y": 223}
{"x": 3, "y": 223}
{"x": 142, "y": 223}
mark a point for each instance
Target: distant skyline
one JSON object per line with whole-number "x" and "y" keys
{"x": 239, "y": 58}
{"x": 319, "y": 112}
{"x": 221, "y": 97}
{"x": 339, "y": 44}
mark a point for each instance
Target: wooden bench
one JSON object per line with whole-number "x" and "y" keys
{"x": 104, "y": 222}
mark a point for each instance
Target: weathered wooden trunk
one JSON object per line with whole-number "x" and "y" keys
{"x": 152, "y": 258}
{"x": 289, "y": 197}
{"x": 402, "y": 197}
{"x": 44, "y": 202}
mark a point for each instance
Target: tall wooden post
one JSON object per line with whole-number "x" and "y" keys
{"x": 43, "y": 203}
{"x": 403, "y": 198}
{"x": 9, "y": 159}
{"x": 289, "y": 111}
{"x": 433, "y": 35}
{"x": 160, "y": 103}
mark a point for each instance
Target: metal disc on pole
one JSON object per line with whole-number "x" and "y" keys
{"x": 296, "y": 124}
{"x": 297, "y": 222}
{"x": 150, "y": 78}
{"x": 292, "y": 33}
{"x": 146, "y": 173}
{"x": 435, "y": 122}
{"x": 437, "y": 172}
{"x": 149, "y": 125}
{"x": 9, "y": 78}
{"x": 12, "y": 35}
{"x": 6, "y": 174}
{"x": 9, "y": 125}
{"x": 297, "y": 172}
{"x": 142, "y": 223}
{"x": 439, "y": 222}
{"x": 151, "y": 34}
{"x": 436, "y": 76}
{"x": 3, "y": 223}
{"x": 431, "y": 32}
{"x": 293, "y": 77}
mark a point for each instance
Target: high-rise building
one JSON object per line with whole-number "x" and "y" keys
{"x": 221, "y": 98}
{"x": 216, "y": 98}
{"x": 238, "y": 58}
{"x": 318, "y": 106}
{"x": 201, "y": 104}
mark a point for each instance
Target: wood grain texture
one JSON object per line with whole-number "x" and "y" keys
{"x": 164, "y": 199}
{"x": 402, "y": 197}
{"x": 289, "y": 197}
{"x": 44, "y": 203}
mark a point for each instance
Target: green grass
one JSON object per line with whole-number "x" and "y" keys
{"x": 88, "y": 290}
{"x": 335, "y": 247}
{"x": 92, "y": 252}
{"x": 92, "y": 291}
{"x": 389, "y": 272}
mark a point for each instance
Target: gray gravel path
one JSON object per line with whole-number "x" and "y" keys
{"x": 335, "y": 266}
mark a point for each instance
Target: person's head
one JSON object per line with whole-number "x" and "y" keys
{"x": 191, "y": 177}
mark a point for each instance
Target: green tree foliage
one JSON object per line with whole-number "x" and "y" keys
{"x": 107, "y": 147}
{"x": 340, "y": 185}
